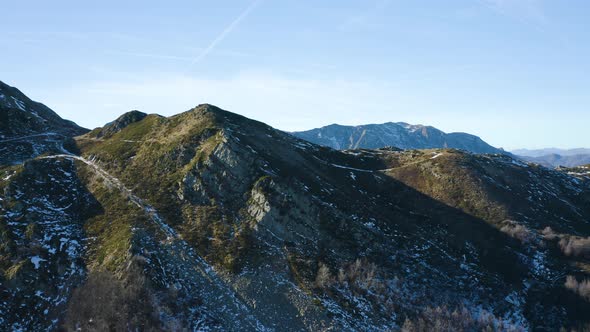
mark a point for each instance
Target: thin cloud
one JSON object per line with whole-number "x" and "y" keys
{"x": 225, "y": 32}
{"x": 526, "y": 11}
{"x": 365, "y": 18}
{"x": 151, "y": 55}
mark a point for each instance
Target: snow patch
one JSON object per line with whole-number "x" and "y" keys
{"x": 36, "y": 260}
{"x": 19, "y": 104}
{"x": 351, "y": 168}
{"x": 437, "y": 155}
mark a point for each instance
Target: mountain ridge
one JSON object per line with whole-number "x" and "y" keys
{"x": 549, "y": 151}
{"x": 557, "y": 160}
{"x": 209, "y": 220}
{"x": 17, "y": 110}
{"x": 398, "y": 134}
{"x": 29, "y": 129}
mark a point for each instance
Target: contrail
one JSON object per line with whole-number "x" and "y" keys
{"x": 224, "y": 33}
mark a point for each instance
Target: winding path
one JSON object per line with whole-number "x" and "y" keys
{"x": 16, "y": 139}
{"x": 194, "y": 274}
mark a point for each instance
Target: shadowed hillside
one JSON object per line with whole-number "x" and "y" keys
{"x": 207, "y": 220}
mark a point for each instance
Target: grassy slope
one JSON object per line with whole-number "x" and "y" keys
{"x": 154, "y": 156}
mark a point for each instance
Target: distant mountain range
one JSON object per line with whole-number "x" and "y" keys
{"x": 556, "y": 160}
{"x": 553, "y": 157}
{"x": 550, "y": 151}
{"x": 397, "y": 134}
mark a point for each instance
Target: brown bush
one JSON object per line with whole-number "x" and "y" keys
{"x": 581, "y": 288}
{"x": 105, "y": 303}
{"x": 549, "y": 234}
{"x": 323, "y": 278}
{"x": 518, "y": 231}
{"x": 359, "y": 279}
{"x": 575, "y": 246}
{"x": 441, "y": 319}
{"x": 359, "y": 275}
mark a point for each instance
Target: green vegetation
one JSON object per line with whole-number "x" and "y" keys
{"x": 453, "y": 178}
{"x": 300, "y": 270}
{"x": 152, "y": 156}
{"x": 111, "y": 226}
{"x": 221, "y": 243}
{"x": 8, "y": 172}
{"x": 122, "y": 145}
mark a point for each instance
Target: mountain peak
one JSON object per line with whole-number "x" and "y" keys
{"x": 120, "y": 123}
{"x": 28, "y": 128}
{"x": 19, "y": 116}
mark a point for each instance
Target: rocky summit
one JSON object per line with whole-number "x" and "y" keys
{"x": 209, "y": 221}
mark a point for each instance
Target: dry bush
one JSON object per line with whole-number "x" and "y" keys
{"x": 360, "y": 279}
{"x": 549, "y": 234}
{"x": 570, "y": 245}
{"x": 575, "y": 246}
{"x": 105, "y": 303}
{"x": 581, "y": 288}
{"x": 324, "y": 278}
{"x": 441, "y": 319}
{"x": 519, "y": 232}
{"x": 359, "y": 276}
{"x": 582, "y": 328}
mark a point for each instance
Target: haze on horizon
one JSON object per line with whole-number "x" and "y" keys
{"x": 513, "y": 72}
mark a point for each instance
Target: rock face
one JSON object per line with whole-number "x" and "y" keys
{"x": 211, "y": 221}
{"x": 29, "y": 129}
{"x": 400, "y": 135}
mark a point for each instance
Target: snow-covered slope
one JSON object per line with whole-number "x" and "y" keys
{"x": 29, "y": 129}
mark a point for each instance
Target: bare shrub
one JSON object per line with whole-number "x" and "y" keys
{"x": 581, "y": 288}
{"x": 518, "y": 231}
{"x": 441, "y": 319}
{"x": 105, "y": 303}
{"x": 360, "y": 279}
{"x": 570, "y": 245}
{"x": 359, "y": 276}
{"x": 575, "y": 246}
{"x": 324, "y": 278}
{"x": 549, "y": 234}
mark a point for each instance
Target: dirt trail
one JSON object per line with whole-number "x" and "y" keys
{"x": 194, "y": 274}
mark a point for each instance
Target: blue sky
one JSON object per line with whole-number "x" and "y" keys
{"x": 514, "y": 72}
